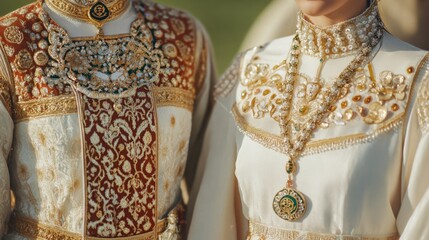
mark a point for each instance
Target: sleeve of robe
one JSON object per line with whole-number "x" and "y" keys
{"x": 205, "y": 77}
{"x": 6, "y": 136}
{"x": 215, "y": 201}
{"x": 413, "y": 217}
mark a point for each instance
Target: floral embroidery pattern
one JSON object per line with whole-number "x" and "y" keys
{"x": 374, "y": 101}
{"x": 121, "y": 164}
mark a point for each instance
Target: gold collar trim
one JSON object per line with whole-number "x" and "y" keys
{"x": 95, "y": 12}
{"x": 340, "y": 39}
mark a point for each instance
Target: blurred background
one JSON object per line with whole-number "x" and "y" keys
{"x": 226, "y": 21}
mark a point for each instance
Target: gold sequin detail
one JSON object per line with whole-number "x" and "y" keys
{"x": 367, "y": 100}
{"x": 410, "y": 70}
{"x": 377, "y": 113}
{"x": 41, "y": 58}
{"x": 395, "y": 107}
{"x": 13, "y": 35}
{"x": 357, "y": 98}
{"x": 24, "y": 60}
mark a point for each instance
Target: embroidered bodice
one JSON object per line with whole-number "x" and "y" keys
{"x": 102, "y": 126}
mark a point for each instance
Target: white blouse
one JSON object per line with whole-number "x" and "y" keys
{"x": 364, "y": 171}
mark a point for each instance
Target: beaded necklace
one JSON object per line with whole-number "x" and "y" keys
{"x": 289, "y": 203}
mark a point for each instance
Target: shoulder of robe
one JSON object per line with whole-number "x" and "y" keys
{"x": 20, "y": 18}
{"x": 394, "y": 51}
{"x": 225, "y": 90}
{"x": 180, "y": 20}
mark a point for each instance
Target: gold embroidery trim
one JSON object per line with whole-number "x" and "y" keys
{"x": 45, "y": 107}
{"x": 66, "y": 105}
{"x": 275, "y": 142}
{"x": 170, "y": 96}
{"x": 33, "y": 229}
{"x": 261, "y": 232}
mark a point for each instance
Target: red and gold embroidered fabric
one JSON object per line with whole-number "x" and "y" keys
{"x": 121, "y": 165}
{"x": 118, "y": 126}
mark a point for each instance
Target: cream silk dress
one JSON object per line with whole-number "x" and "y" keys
{"x": 47, "y": 135}
{"x": 365, "y": 170}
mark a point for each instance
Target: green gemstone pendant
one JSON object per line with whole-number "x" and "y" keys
{"x": 289, "y": 204}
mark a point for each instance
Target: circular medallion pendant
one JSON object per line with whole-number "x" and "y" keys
{"x": 99, "y": 12}
{"x": 289, "y": 204}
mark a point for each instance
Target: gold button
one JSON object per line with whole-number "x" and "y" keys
{"x": 410, "y": 70}
{"x": 368, "y": 99}
{"x": 357, "y": 98}
{"x": 117, "y": 107}
{"x": 395, "y": 107}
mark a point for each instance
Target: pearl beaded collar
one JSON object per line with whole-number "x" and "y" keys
{"x": 341, "y": 39}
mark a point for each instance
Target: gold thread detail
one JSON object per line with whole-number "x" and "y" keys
{"x": 45, "y": 107}
{"x": 13, "y": 35}
{"x": 170, "y": 96}
{"x": 275, "y": 142}
{"x": 261, "y": 232}
{"x": 24, "y": 60}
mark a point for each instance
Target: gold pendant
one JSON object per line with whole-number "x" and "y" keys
{"x": 289, "y": 204}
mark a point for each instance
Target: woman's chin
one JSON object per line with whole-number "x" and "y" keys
{"x": 313, "y": 11}
{"x": 315, "y": 8}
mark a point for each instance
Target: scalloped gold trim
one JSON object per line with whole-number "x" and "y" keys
{"x": 261, "y": 232}
{"x": 275, "y": 142}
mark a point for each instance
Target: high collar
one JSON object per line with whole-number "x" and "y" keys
{"x": 85, "y": 3}
{"x": 340, "y": 39}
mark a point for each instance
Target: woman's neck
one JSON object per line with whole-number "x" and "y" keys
{"x": 345, "y": 12}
